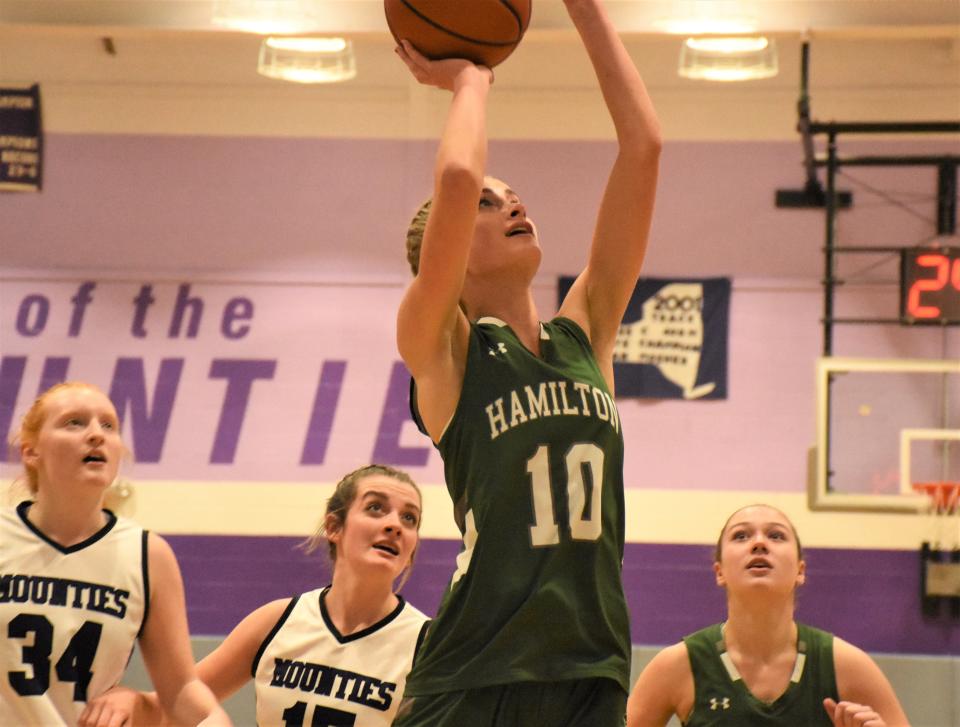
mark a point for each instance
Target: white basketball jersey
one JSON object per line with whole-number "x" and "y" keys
{"x": 68, "y": 617}
{"x": 308, "y": 675}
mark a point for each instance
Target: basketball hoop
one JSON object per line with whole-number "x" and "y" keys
{"x": 940, "y": 556}
{"x": 944, "y": 496}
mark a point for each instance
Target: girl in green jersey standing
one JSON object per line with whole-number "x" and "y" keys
{"x": 760, "y": 667}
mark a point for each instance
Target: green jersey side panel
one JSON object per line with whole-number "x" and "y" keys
{"x": 721, "y": 699}
{"x": 533, "y": 458}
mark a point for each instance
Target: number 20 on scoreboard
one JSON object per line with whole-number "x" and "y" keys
{"x": 930, "y": 285}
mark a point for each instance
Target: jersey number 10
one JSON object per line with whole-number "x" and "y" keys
{"x": 585, "y": 523}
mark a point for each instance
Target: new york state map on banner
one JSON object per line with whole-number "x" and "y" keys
{"x": 672, "y": 342}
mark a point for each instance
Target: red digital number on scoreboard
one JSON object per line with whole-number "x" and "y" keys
{"x": 930, "y": 285}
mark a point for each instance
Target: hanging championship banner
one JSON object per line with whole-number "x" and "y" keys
{"x": 672, "y": 342}
{"x": 21, "y": 140}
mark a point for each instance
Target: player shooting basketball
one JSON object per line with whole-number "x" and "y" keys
{"x": 533, "y": 628}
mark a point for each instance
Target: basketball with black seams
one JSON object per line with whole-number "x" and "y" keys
{"x": 483, "y": 31}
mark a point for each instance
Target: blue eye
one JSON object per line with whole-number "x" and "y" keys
{"x": 484, "y": 202}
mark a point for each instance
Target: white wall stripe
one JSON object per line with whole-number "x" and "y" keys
{"x": 653, "y": 516}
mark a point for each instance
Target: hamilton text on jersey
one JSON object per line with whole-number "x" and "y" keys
{"x": 551, "y": 398}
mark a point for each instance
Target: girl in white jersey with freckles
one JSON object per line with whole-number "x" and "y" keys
{"x": 79, "y": 586}
{"x": 337, "y": 655}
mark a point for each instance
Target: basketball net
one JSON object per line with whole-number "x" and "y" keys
{"x": 940, "y": 557}
{"x": 944, "y": 499}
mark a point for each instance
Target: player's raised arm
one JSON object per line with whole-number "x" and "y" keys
{"x": 431, "y": 330}
{"x": 599, "y": 297}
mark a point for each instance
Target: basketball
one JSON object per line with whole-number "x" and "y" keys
{"x": 483, "y": 31}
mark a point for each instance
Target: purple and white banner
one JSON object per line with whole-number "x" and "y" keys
{"x": 222, "y": 381}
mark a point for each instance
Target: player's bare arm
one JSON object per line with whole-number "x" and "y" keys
{"x": 599, "y": 297}
{"x": 663, "y": 689}
{"x": 432, "y": 332}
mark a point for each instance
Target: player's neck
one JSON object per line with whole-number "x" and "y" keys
{"x": 514, "y": 307}
{"x": 67, "y": 521}
{"x": 761, "y": 630}
{"x": 354, "y": 603}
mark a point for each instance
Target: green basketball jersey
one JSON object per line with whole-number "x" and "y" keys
{"x": 533, "y": 458}
{"x": 721, "y": 698}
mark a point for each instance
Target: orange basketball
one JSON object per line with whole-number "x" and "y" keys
{"x": 483, "y": 31}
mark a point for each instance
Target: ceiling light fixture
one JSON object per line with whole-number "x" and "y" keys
{"x": 307, "y": 60}
{"x": 728, "y": 58}
{"x": 706, "y": 25}
{"x": 262, "y": 16}
{"x": 710, "y": 17}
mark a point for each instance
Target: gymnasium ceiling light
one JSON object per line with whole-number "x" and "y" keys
{"x": 739, "y": 58}
{"x": 307, "y": 60}
{"x": 263, "y": 16}
{"x": 723, "y": 42}
{"x": 710, "y": 17}
{"x": 732, "y": 25}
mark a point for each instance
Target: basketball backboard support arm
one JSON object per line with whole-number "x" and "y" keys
{"x": 813, "y": 194}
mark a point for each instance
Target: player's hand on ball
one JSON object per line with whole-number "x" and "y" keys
{"x": 851, "y": 714}
{"x": 444, "y": 73}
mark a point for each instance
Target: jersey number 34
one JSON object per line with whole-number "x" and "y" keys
{"x": 74, "y": 665}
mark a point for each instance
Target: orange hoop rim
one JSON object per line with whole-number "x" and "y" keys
{"x": 944, "y": 495}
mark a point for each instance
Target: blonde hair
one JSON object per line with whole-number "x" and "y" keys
{"x": 32, "y": 423}
{"x": 415, "y": 235}
{"x": 339, "y": 504}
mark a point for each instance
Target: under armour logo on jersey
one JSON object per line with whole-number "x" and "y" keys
{"x": 716, "y": 704}
{"x": 501, "y": 348}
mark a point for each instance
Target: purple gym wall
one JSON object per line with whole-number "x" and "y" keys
{"x": 294, "y": 249}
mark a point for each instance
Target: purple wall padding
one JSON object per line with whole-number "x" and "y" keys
{"x": 868, "y": 597}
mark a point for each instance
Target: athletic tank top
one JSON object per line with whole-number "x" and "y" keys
{"x": 722, "y": 699}
{"x": 307, "y": 673}
{"x": 533, "y": 459}
{"x": 69, "y": 617}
